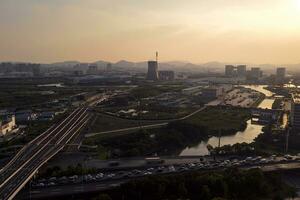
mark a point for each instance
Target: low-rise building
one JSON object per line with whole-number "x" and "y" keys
{"x": 7, "y": 124}
{"x": 216, "y": 91}
{"x": 166, "y": 75}
{"x": 265, "y": 116}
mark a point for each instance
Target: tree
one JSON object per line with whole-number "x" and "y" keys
{"x": 205, "y": 193}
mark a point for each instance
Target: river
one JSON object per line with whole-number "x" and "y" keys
{"x": 247, "y": 136}
{"x": 268, "y": 101}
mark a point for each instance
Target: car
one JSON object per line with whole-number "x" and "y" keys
{"x": 191, "y": 165}
{"x": 42, "y": 180}
{"x": 160, "y": 169}
{"x": 62, "y": 179}
{"x": 52, "y": 179}
{"x": 136, "y": 172}
{"x": 88, "y": 177}
{"x": 40, "y": 185}
{"x": 263, "y": 161}
{"x": 171, "y": 168}
{"x": 51, "y": 184}
{"x": 289, "y": 157}
{"x": 99, "y": 175}
{"x": 147, "y": 173}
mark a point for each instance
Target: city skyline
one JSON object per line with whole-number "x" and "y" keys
{"x": 227, "y": 31}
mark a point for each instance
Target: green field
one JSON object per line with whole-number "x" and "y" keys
{"x": 172, "y": 139}
{"x": 104, "y": 122}
{"x": 221, "y": 118}
{"x": 25, "y": 93}
{"x": 144, "y": 91}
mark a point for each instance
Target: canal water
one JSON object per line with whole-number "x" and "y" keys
{"x": 268, "y": 101}
{"x": 247, "y": 136}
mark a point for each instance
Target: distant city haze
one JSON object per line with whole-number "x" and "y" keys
{"x": 257, "y": 31}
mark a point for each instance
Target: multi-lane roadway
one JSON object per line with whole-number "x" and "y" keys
{"x": 25, "y": 164}
{"x": 78, "y": 184}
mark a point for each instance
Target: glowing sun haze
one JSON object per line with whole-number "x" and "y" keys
{"x": 257, "y": 31}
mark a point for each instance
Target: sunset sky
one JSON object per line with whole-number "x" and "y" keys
{"x": 256, "y": 31}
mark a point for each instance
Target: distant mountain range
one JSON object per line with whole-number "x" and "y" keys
{"x": 142, "y": 66}
{"x": 170, "y": 65}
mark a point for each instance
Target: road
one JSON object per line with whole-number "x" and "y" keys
{"x": 79, "y": 188}
{"x": 15, "y": 175}
{"x": 68, "y": 190}
{"x": 151, "y": 126}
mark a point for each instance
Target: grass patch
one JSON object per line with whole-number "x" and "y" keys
{"x": 226, "y": 119}
{"x": 108, "y": 123}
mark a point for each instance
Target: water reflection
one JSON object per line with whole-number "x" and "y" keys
{"x": 260, "y": 88}
{"x": 266, "y": 103}
{"x": 247, "y": 136}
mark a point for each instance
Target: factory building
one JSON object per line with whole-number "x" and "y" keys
{"x": 152, "y": 71}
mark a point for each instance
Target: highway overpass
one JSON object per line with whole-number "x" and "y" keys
{"x": 25, "y": 164}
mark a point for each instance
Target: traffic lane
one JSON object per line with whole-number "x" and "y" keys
{"x": 15, "y": 182}
{"x": 18, "y": 166}
{"x": 31, "y": 166}
{"x": 136, "y": 163}
{"x": 68, "y": 190}
{"x": 33, "y": 146}
{"x": 61, "y": 190}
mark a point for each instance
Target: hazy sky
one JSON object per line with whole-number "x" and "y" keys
{"x": 257, "y": 31}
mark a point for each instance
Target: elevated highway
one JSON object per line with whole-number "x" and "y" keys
{"x": 25, "y": 164}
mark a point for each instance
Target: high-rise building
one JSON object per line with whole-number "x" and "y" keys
{"x": 229, "y": 70}
{"x": 255, "y": 73}
{"x": 152, "y": 70}
{"x": 241, "y": 70}
{"x": 280, "y": 74}
{"x": 295, "y": 113}
{"x": 109, "y": 67}
{"x": 31, "y": 68}
{"x": 93, "y": 70}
